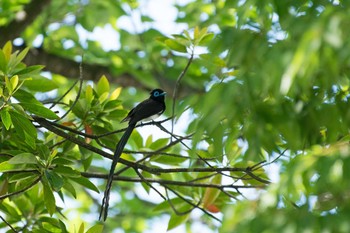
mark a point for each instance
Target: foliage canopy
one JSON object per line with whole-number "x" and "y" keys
{"x": 255, "y": 85}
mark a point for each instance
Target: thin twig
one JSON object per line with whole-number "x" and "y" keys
{"x": 8, "y": 224}
{"x": 170, "y": 182}
{"x": 79, "y": 91}
{"x": 149, "y": 184}
{"x": 177, "y": 85}
{"x": 194, "y": 205}
{"x": 21, "y": 190}
{"x": 174, "y": 208}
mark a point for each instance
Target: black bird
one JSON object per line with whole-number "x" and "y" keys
{"x": 149, "y": 109}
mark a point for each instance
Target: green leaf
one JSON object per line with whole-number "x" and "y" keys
{"x": 14, "y": 81}
{"x": 149, "y": 141}
{"x": 137, "y": 138}
{"x": 177, "y": 220}
{"x": 102, "y": 86}
{"x": 52, "y": 225}
{"x": 32, "y": 73}
{"x": 6, "y": 167}
{"x": 40, "y": 84}
{"x": 145, "y": 18}
{"x": 7, "y": 49}
{"x": 98, "y": 228}
{"x": 70, "y": 188}
{"x": 6, "y": 118}
{"x": 86, "y": 183}
{"x": 205, "y": 39}
{"x": 8, "y": 85}
{"x": 81, "y": 228}
{"x": 22, "y": 176}
{"x": 81, "y": 108}
{"x": 67, "y": 171}
{"x": 144, "y": 184}
{"x": 49, "y": 198}
{"x": 174, "y": 45}
{"x": 23, "y": 124}
{"x": 15, "y": 60}
{"x": 196, "y": 33}
{"x": 159, "y": 143}
{"x": 24, "y": 96}
{"x": 22, "y": 54}
{"x": 54, "y": 179}
{"x": 89, "y": 96}
{"x": 24, "y": 158}
{"x": 27, "y": 181}
{"x": 3, "y": 63}
{"x": 39, "y": 110}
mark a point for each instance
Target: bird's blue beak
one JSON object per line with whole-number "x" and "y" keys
{"x": 162, "y": 94}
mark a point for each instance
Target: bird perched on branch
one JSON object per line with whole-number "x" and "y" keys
{"x": 149, "y": 109}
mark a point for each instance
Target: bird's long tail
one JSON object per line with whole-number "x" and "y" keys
{"x": 118, "y": 151}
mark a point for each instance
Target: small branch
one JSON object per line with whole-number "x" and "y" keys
{"x": 177, "y": 85}
{"x": 79, "y": 91}
{"x": 170, "y": 182}
{"x": 22, "y": 190}
{"x": 54, "y": 103}
{"x": 194, "y": 205}
{"x": 184, "y": 199}
{"x": 149, "y": 184}
{"x": 8, "y": 224}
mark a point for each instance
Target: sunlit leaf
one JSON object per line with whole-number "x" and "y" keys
{"x": 49, "y": 198}
{"x": 95, "y": 229}
{"x": 102, "y": 86}
{"x": 6, "y": 118}
{"x": 177, "y": 220}
{"x": 39, "y": 110}
{"x": 85, "y": 182}
{"x": 24, "y": 158}
{"x": 172, "y": 44}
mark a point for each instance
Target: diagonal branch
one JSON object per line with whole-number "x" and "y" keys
{"x": 21, "y": 190}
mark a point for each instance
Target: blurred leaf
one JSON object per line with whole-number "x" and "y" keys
{"x": 70, "y": 188}
{"x": 7, "y": 50}
{"x": 3, "y": 62}
{"x": 211, "y": 194}
{"x": 172, "y": 44}
{"x": 205, "y": 39}
{"x": 177, "y": 220}
{"x": 159, "y": 143}
{"x": 115, "y": 94}
{"x": 6, "y": 118}
{"x": 40, "y": 84}
{"x": 95, "y": 229}
{"x": 81, "y": 228}
{"x": 102, "y": 86}
{"x": 55, "y": 180}
{"x": 25, "y": 96}
{"x": 39, "y": 110}
{"x": 86, "y": 183}
{"x": 24, "y": 158}
{"x": 22, "y": 123}
{"x": 49, "y": 198}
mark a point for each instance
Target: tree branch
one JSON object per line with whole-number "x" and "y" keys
{"x": 21, "y": 190}
{"x": 16, "y": 27}
{"x": 171, "y": 182}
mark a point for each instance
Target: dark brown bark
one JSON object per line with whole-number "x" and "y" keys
{"x": 70, "y": 68}
{"x": 15, "y": 28}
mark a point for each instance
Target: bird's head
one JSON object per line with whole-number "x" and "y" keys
{"x": 158, "y": 94}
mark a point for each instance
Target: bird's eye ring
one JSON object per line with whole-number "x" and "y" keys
{"x": 156, "y": 94}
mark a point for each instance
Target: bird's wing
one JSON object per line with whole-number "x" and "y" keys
{"x": 145, "y": 110}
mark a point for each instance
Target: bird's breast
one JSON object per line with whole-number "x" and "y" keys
{"x": 150, "y": 118}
